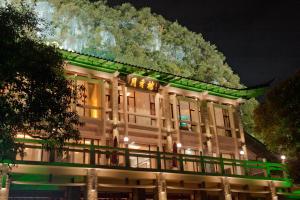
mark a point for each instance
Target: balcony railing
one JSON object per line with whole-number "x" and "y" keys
{"x": 143, "y": 160}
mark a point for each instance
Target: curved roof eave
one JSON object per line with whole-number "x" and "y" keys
{"x": 112, "y": 66}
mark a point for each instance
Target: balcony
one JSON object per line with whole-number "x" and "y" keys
{"x": 92, "y": 156}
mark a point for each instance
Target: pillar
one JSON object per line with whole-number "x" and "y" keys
{"x": 226, "y": 189}
{"x": 115, "y": 108}
{"x": 273, "y": 194}
{"x": 161, "y": 188}
{"x": 92, "y": 185}
{"x": 167, "y": 115}
{"x": 5, "y": 182}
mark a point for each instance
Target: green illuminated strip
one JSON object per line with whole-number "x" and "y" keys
{"x": 160, "y": 157}
{"x": 109, "y": 66}
{"x": 4, "y": 180}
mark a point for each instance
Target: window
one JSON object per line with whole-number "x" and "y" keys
{"x": 188, "y": 116}
{"x": 89, "y": 103}
{"x": 141, "y": 107}
{"x": 223, "y": 121}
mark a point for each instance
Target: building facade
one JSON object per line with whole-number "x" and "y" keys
{"x": 148, "y": 135}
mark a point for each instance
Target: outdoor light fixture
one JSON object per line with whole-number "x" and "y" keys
{"x": 188, "y": 151}
{"x": 128, "y": 93}
{"x": 179, "y": 145}
{"x": 242, "y": 152}
{"x": 126, "y": 139}
{"x": 283, "y": 157}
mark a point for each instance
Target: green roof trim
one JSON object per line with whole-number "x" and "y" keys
{"x": 112, "y": 66}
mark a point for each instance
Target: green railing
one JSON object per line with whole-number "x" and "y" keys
{"x": 133, "y": 159}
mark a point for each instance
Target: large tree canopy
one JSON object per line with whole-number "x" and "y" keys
{"x": 34, "y": 94}
{"x": 277, "y": 120}
{"x": 139, "y": 37}
{"x": 135, "y": 36}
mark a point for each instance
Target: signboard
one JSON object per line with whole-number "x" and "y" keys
{"x": 142, "y": 83}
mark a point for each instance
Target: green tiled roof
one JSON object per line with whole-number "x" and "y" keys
{"x": 112, "y": 66}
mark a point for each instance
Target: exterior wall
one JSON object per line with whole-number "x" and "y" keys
{"x": 201, "y": 123}
{"x": 163, "y": 123}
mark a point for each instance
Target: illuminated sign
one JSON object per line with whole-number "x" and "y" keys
{"x": 142, "y": 83}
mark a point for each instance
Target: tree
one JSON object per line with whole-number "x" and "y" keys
{"x": 277, "y": 120}
{"x": 35, "y": 97}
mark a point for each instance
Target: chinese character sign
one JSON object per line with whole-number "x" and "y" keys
{"x": 142, "y": 83}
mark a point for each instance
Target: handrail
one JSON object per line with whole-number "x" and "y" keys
{"x": 125, "y": 158}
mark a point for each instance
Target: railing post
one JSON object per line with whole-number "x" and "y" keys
{"x": 4, "y": 182}
{"x": 268, "y": 171}
{"x": 202, "y": 163}
{"x": 158, "y": 159}
{"x": 127, "y": 160}
{"x": 181, "y": 163}
{"x": 245, "y": 167}
{"x": 222, "y": 164}
{"x": 52, "y": 155}
{"x": 92, "y": 153}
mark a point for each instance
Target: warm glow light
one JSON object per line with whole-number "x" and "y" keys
{"x": 242, "y": 152}
{"x": 20, "y": 135}
{"x": 283, "y": 157}
{"x": 126, "y": 139}
{"x": 128, "y": 94}
{"x": 133, "y": 146}
{"x": 179, "y": 145}
{"x": 188, "y": 151}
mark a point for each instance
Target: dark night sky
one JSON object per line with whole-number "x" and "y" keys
{"x": 260, "y": 39}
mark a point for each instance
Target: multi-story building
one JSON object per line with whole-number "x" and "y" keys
{"x": 148, "y": 135}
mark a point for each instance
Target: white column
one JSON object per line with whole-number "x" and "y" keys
{"x": 211, "y": 112}
{"x": 226, "y": 189}
{"x": 174, "y": 101}
{"x": 115, "y": 109}
{"x": 5, "y": 182}
{"x": 92, "y": 185}
{"x": 161, "y": 187}
{"x": 273, "y": 193}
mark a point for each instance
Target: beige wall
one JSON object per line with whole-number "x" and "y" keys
{"x": 196, "y": 120}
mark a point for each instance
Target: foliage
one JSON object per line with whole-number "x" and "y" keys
{"x": 139, "y": 37}
{"x": 247, "y": 114}
{"x": 135, "y": 36}
{"x": 35, "y": 97}
{"x": 277, "y": 118}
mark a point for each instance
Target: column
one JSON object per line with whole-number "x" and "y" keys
{"x": 226, "y": 188}
{"x": 92, "y": 185}
{"x": 198, "y": 105}
{"x": 167, "y": 115}
{"x": 173, "y": 99}
{"x": 115, "y": 109}
{"x": 5, "y": 182}
{"x": 211, "y": 113}
{"x": 161, "y": 188}
{"x": 241, "y": 130}
{"x": 233, "y": 131}
{"x": 103, "y": 160}
{"x": 273, "y": 194}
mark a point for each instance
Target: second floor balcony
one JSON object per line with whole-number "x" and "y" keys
{"x": 94, "y": 156}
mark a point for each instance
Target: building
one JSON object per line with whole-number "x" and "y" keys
{"x": 148, "y": 135}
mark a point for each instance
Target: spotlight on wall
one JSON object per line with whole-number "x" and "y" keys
{"x": 283, "y": 157}
{"x": 242, "y": 152}
{"x": 126, "y": 139}
{"x": 179, "y": 145}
